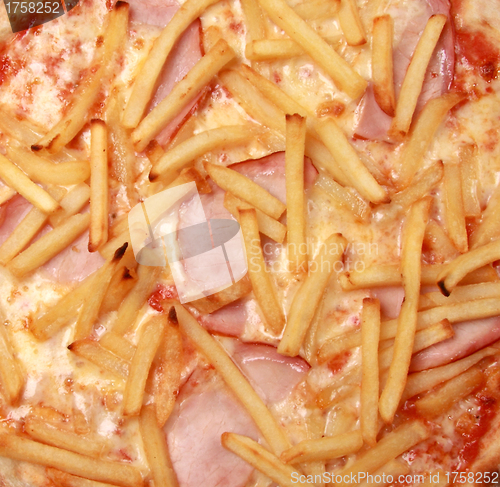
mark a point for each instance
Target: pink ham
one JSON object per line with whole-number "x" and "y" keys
{"x": 153, "y": 12}
{"x": 391, "y": 299}
{"x": 470, "y": 336}
{"x": 372, "y": 122}
{"x": 206, "y": 410}
{"x": 229, "y": 320}
{"x": 272, "y": 375}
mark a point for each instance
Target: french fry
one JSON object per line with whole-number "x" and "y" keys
{"x": 462, "y": 294}
{"x": 436, "y": 240}
{"x": 335, "y": 66}
{"x": 135, "y": 299}
{"x": 391, "y": 470}
{"x": 110, "y": 246}
{"x": 488, "y": 228}
{"x": 317, "y": 9}
{"x": 185, "y": 153}
{"x": 15, "y": 179}
{"x": 415, "y": 74}
{"x": 11, "y": 374}
{"x": 307, "y": 298}
{"x": 63, "y": 479}
{"x": 166, "y": 373}
{"x": 120, "y": 285}
{"x": 118, "y": 345}
{"x": 25, "y": 450}
{"x": 74, "y": 201}
{"x": 254, "y": 20}
{"x": 154, "y": 151}
{"x": 40, "y": 431}
{"x": 85, "y": 96}
{"x": 149, "y": 342}
{"x": 147, "y": 77}
{"x": 261, "y": 459}
{"x": 350, "y": 23}
{"x": 454, "y": 214}
{"x": 156, "y": 449}
{"x": 470, "y": 180}
{"x": 95, "y": 353}
{"x": 182, "y": 93}
{"x": 44, "y": 171}
{"x": 240, "y": 386}
{"x": 388, "y": 448}
{"x": 267, "y": 226}
{"x": 344, "y": 154}
{"x": 422, "y": 134}
{"x": 99, "y": 191}
{"x": 382, "y": 64}
{"x": 439, "y": 401}
{"x": 370, "y": 333}
{"x": 294, "y": 175}
{"x": 412, "y": 238}
{"x": 6, "y": 194}
{"x": 457, "y": 269}
{"x": 428, "y": 379}
{"x": 337, "y": 345}
{"x": 257, "y": 270}
{"x": 327, "y": 448}
{"x": 246, "y": 189}
{"x": 191, "y": 174}
{"x": 49, "y": 245}
{"x": 272, "y": 49}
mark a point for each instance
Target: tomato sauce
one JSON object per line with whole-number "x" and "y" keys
{"x": 162, "y": 298}
{"x": 475, "y": 50}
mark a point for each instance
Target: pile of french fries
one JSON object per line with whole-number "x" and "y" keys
{"x": 143, "y": 350}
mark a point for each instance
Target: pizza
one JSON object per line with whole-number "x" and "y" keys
{"x": 250, "y": 243}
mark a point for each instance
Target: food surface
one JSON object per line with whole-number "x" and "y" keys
{"x": 345, "y": 331}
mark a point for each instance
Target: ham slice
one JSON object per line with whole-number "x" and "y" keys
{"x": 206, "y": 409}
{"x": 391, "y": 300}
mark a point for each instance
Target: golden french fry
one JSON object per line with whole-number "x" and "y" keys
{"x": 436, "y": 240}
{"x": 111, "y": 245}
{"x": 335, "y": 66}
{"x": 267, "y": 226}
{"x": 191, "y": 174}
{"x": 95, "y": 353}
{"x": 147, "y": 77}
{"x": 438, "y": 402}
{"x": 259, "y": 275}
{"x": 6, "y": 194}
{"x": 183, "y": 154}
{"x": 488, "y": 228}
{"x": 182, "y": 93}
{"x": 350, "y": 23}
{"x": 344, "y": 154}
{"x": 317, "y": 9}
{"x": 85, "y": 96}
{"x": 462, "y": 294}
{"x": 261, "y": 459}
{"x": 388, "y": 448}
{"x": 246, "y": 189}
{"x": 454, "y": 214}
{"x": 391, "y": 470}
{"x": 49, "y": 434}
{"x": 74, "y": 201}
{"x": 118, "y": 345}
{"x": 99, "y": 190}
{"x": 15, "y": 179}
{"x": 422, "y": 134}
{"x": 326, "y": 448}
{"x": 382, "y": 64}
{"x": 470, "y": 180}
{"x": 415, "y": 74}
{"x": 336, "y": 345}
{"x": 120, "y": 285}
{"x": 144, "y": 354}
{"x": 272, "y": 49}
{"x": 370, "y": 334}
{"x": 428, "y": 379}
{"x": 156, "y": 449}
{"x": 457, "y": 269}
{"x": 254, "y": 20}
{"x": 295, "y": 199}
{"x": 11, "y": 375}
{"x": 63, "y": 479}
{"x": 240, "y": 386}
{"x": 307, "y": 298}
{"x": 154, "y": 151}
{"x": 49, "y": 245}
{"x": 412, "y": 239}
{"x": 45, "y": 171}
{"x": 26, "y": 450}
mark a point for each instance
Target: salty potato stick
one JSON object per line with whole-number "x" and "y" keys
{"x": 191, "y": 174}
{"x": 49, "y": 245}
{"x": 254, "y": 20}
{"x": 118, "y": 345}
{"x": 120, "y": 285}
{"x": 295, "y": 199}
{"x": 370, "y": 334}
{"x": 470, "y": 180}
{"x": 462, "y": 294}
{"x": 308, "y": 297}
{"x": 147, "y": 77}
{"x": 272, "y": 49}
{"x": 317, "y": 9}
{"x": 149, "y": 342}
{"x": 488, "y": 229}
{"x": 259, "y": 275}
{"x": 413, "y": 235}
{"x": 11, "y": 375}
{"x": 436, "y": 240}
{"x": 391, "y": 470}
{"x": 454, "y": 214}
{"x": 334, "y": 65}
{"x": 270, "y": 429}
{"x": 182, "y": 93}
{"x": 336, "y": 345}
{"x": 457, "y": 269}
{"x": 6, "y": 194}
{"x": 415, "y": 74}
{"x": 246, "y": 189}
{"x": 350, "y": 23}
{"x": 180, "y": 156}
{"x": 71, "y": 204}
{"x": 382, "y": 64}
{"x": 155, "y": 446}
{"x": 63, "y": 479}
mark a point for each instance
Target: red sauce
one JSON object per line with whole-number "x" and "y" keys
{"x": 474, "y": 49}
{"x": 339, "y": 362}
{"x": 162, "y": 298}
